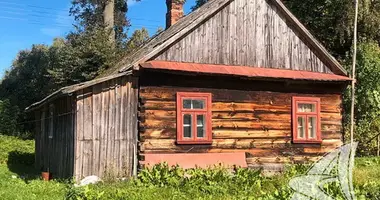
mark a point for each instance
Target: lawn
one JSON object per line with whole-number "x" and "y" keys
{"x": 19, "y": 180}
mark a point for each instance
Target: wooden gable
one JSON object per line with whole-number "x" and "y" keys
{"x": 255, "y": 33}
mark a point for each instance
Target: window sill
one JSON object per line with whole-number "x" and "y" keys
{"x": 307, "y": 141}
{"x": 194, "y": 142}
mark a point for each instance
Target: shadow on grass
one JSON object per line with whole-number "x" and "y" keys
{"x": 22, "y": 164}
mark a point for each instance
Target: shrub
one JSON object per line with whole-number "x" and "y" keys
{"x": 8, "y": 118}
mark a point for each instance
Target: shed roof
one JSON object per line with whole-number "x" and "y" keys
{"x": 73, "y": 88}
{"x": 243, "y": 71}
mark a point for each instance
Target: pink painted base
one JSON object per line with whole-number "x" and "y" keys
{"x": 202, "y": 160}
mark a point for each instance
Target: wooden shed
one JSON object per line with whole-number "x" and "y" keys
{"x": 241, "y": 82}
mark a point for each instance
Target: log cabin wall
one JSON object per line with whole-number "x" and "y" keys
{"x": 247, "y": 116}
{"x": 249, "y": 33}
{"x": 54, "y": 138}
{"x": 106, "y": 128}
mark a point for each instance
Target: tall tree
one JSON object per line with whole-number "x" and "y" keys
{"x": 89, "y": 14}
{"x": 109, "y": 18}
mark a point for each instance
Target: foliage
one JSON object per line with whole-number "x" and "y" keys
{"x": 82, "y": 55}
{"x": 17, "y": 175}
{"x": 136, "y": 40}
{"x": 8, "y": 117}
{"x": 164, "y": 182}
{"x": 89, "y": 16}
{"x": 10, "y": 144}
{"x": 198, "y": 3}
{"x": 215, "y": 183}
{"x": 367, "y": 98}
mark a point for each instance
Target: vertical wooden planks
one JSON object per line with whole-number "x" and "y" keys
{"x": 125, "y": 127}
{"x": 103, "y": 129}
{"x": 134, "y": 101}
{"x": 118, "y": 112}
{"x": 250, "y": 33}
{"x": 97, "y": 137}
{"x": 71, "y": 131}
{"x": 79, "y": 135}
{"x": 111, "y": 127}
{"x": 87, "y": 133}
{"x": 96, "y": 126}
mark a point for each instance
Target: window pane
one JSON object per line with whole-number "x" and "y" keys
{"x": 198, "y": 104}
{"x": 201, "y": 126}
{"x": 187, "y": 126}
{"x": 312, "y": 126}
{"x": 187, "y": 103}
{"x": 193, "y": 104}
{"x": 303, "y": 107}
{"x": 301, "y": 127}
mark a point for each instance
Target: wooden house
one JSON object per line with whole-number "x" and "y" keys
{"x": 241, "y": 82}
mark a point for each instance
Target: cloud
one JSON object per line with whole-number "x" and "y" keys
{"x": 60, "y": 24}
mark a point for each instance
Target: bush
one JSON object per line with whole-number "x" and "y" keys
{"x": 8, "y": 118}
{"x": 15, "y": 146}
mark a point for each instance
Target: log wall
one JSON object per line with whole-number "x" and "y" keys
{"x": 106, "y": 129}
{"x": 54, "y": 138}
{"x": 250, "y": 33}
{"x": 244, "y": 119}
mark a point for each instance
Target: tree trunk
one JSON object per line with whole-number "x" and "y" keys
{"x": 109, "y": 18}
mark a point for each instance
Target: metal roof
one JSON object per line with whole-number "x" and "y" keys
{"x": 243, "y": 71}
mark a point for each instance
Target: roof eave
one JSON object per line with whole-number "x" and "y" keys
{"x": 73, "y": 88}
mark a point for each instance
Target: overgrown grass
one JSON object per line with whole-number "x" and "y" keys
{"x": 367, "y": 170}
{"x": 19, "y": 180}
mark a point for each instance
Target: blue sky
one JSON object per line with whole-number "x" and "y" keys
{"x": 27, "y": 22}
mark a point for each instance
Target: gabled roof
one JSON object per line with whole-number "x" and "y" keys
{"x": 243, "y": 71}
{"x": 187, "y": 24}
{"x": 165, "y": 39}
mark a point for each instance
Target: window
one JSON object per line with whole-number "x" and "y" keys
{"x": 306, "y": 120}
{"x": 194, "y": 118}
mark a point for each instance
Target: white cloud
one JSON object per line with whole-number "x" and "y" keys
{"x": 60, "y": 24}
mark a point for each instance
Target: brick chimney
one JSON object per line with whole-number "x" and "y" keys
{"x": 175, "y": 11}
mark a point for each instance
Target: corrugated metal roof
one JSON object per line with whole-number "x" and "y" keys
{"x": 244, "y": 71}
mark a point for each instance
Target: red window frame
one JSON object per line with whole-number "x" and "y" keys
{"x": 306, "y": 115}
{"x": 206, "y": 111}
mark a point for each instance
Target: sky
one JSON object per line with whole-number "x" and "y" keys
{"x": 27, "y": 22}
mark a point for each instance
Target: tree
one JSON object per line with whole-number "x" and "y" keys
{"x": 198, "y": 3}
{"x": 23, "y": 84}
{"x": 89, "y": 15}
{"x": 8, "y": 118}
{"x": 367, "y": 99}
{"x": 331, "y": 21}
{"x": 82, "y": 57}
{"x": 137, "y": 39}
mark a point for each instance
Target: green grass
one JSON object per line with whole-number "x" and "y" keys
{"x": 367, "y": 170}
{"x": 19, "y": 180}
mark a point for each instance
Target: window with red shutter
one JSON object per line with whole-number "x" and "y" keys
{"x": 306, "y": 120}
{"x": 194, "y": 118}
